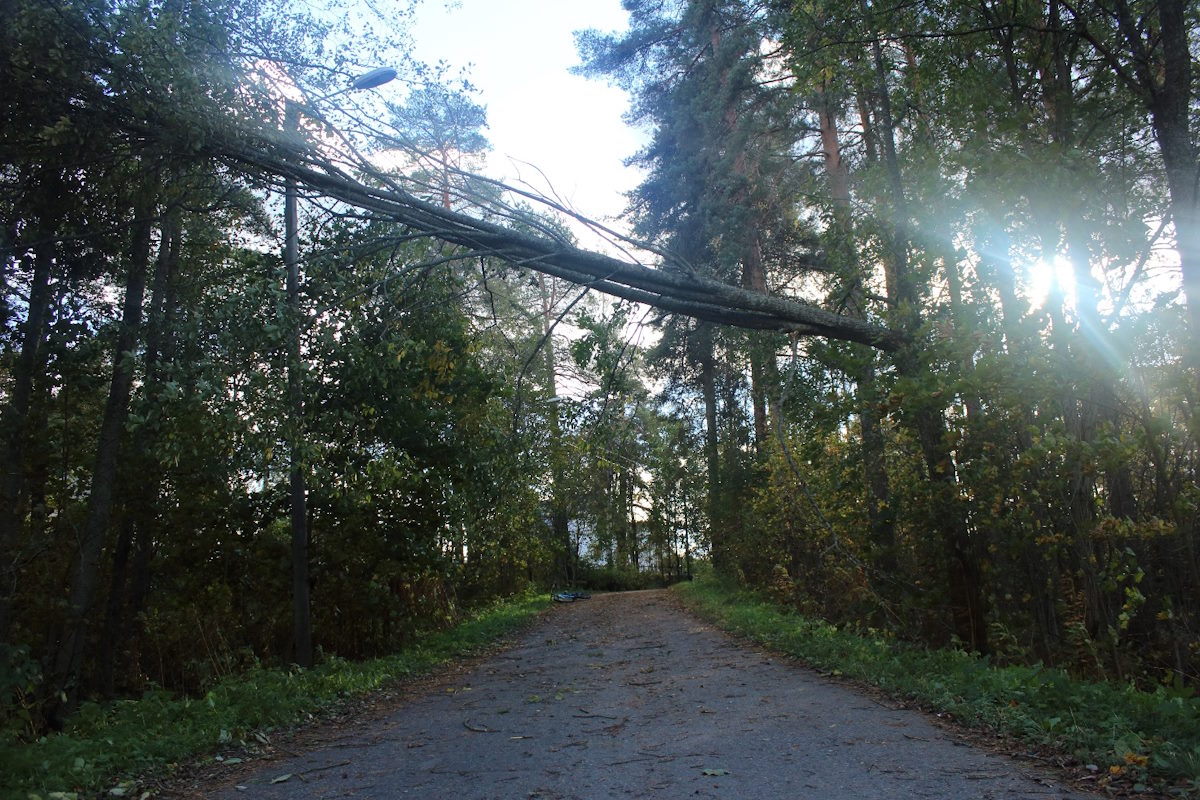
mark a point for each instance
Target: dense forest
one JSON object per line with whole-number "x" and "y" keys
{"x": 925, "y": 360}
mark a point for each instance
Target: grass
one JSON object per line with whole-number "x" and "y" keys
{"x": 107, "y": 746}
{"x": 1130, "y": 737}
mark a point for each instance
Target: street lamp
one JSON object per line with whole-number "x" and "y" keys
{"x": 370, "y": 80}
{"x": 301, "y": 616}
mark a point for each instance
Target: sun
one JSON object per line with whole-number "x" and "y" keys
{"x": 1048, "y": 275}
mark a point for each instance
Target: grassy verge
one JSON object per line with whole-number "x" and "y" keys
{"x": 106, "y": 744}
{"x": 1129, "y": 737}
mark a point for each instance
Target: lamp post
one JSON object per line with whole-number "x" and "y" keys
{"x": 687, "y": 539}
{"x": 301, "y": 611}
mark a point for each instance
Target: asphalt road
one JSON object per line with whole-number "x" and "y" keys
{"x": 625, "y": 695}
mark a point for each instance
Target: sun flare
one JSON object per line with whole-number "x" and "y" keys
{"x": 1047, "y": 275}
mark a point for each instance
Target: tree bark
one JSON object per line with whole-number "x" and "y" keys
{"x": 114, "y": 622}
{"x": 137, "y": 532}
{"x": 66, "y": 663}
{"x": 1169, "y": 112}
{"x": 708, "y": 389}
{"x": 964, "y": 333}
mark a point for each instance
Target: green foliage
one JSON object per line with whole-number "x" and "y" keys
{"x": 118, "y": 741}
{"x": 20, "y": 676}
{"x": 1152, "y": 735}
{"x": 614, "y": 579}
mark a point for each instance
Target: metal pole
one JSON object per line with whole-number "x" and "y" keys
{"x": 301, "y": 602}
{"x": 301, "y": 613}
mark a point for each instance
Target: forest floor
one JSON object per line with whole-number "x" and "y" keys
{"x": 627, "y": 695}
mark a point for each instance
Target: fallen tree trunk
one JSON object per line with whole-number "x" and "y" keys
{"x": 671, "y": 287}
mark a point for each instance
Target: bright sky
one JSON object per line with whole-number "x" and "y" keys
{"x": 519, "y": 53}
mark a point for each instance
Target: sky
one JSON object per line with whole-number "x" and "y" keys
{"x": 519, "y": 53}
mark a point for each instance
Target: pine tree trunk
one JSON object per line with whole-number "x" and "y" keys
{"x": 881, "y": 514}
{"x": 66, "y": 679}
{"x": 1093, "y": 395}
{"x": 138, "y": 529}
{"x": 1170, "y": 108}
{"x": 708, "y": 388}
{"x": 964, "y": 333}
{"x": 635, "y": 548}
{"x": 110, "y": 639}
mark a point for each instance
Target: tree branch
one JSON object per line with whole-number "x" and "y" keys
{"x": 667, "y": 287}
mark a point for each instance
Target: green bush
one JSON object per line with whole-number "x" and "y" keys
{"x": 20, "y": 676}
{"x": 615, "y": 579}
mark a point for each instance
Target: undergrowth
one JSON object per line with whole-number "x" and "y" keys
{"x": 1137, "y": 738}
{"x": 107, "y": 745}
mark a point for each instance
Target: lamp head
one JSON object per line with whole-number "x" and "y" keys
{"x": 376, "y": 77}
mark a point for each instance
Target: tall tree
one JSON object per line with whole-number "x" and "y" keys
{"x": 718, "y": 165}
{"x": 443, "y": 132}
{"x": 1149, "y": 46}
